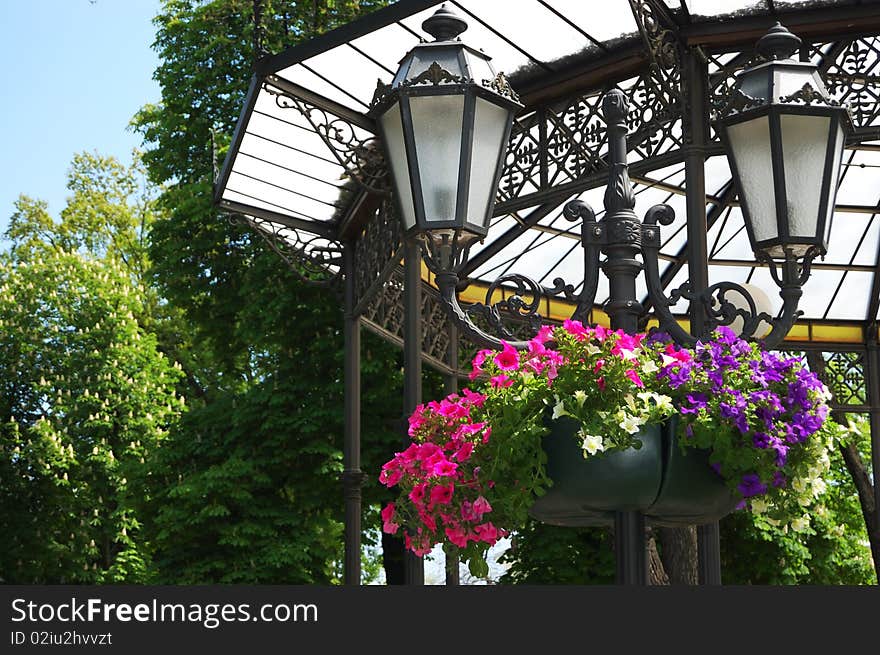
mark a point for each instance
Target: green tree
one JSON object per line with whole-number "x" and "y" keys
{"x": 248, "y": 489}
{"x": 86, "y": 394}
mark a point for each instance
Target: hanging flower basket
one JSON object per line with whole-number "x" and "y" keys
{"x": 671, "y": 487}
{"x": 590, "y": 421}
{"x": 587, "y": 491}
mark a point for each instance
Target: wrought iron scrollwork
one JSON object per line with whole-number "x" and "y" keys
{"x": 522, "y": 306}
{"x": 314, "y": 259}
{"x": 361, "y": 157}
{"x": 789, "y": 275}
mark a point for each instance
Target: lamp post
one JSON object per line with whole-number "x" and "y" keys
{"x": 445, "y": 121}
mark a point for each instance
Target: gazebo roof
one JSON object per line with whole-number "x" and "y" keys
{"x": 304, "y": 159}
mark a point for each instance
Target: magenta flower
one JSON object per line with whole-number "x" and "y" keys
{"x": 456, "y": 535}
{"x": 577, "y": 329}
{"x": 487, "y": 533}
{"x": 390, "y": 474}
{"x": 464, "y": 453}
{"x": 501, "y": 381}
{"x": 481, "y": 506}
{"x": 442, "y": 494}
{"x": 508, "y": 358}
{"x": 445, "y": 468}
{"x": 636, "y": 380}
{"x": 417, "y": 495}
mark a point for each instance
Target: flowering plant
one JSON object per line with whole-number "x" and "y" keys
{"x": 476, "y": 463}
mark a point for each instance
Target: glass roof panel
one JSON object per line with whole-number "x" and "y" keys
{"x": 709, "y": 8}
{"x": 387, "y": 46}
{"x": 359, "y": 72}
{"x": 611, "y": 21}
{"x": 559, "y": 38}
{"x": 334, "y": 87}
{"x": 851, "y": 302}
{"x": 506, "y": 57}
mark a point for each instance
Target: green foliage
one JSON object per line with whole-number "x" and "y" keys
{"x": 85, "y": 392}
{"x": 248, "y": 489}
{"x": 547, "y": 554}
{"x": 834, "y": 550}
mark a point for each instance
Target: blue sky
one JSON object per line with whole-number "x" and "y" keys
{"x": 75, "y": 72}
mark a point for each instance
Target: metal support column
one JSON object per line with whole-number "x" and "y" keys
{"x": 450, "y": 383}
{"x": 872, "y": 370}
{"x": 414, "y": 571}
{"x": 696, "y": 134}
{"x": 621, "y": 268}
{"x": 352, "y": 476}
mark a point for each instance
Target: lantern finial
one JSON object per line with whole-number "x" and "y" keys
{"x": 444, "y": 25}
{"x": 778, "y": 43}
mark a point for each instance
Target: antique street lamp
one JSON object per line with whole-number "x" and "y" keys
{"x": 444, "y": 133}
{"x": 784, "y": 136}
{"x": 445, "y": 122}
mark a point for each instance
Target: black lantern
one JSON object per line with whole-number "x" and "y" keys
{"x": 445, "y": 121}
{"x": 784, "y": 136}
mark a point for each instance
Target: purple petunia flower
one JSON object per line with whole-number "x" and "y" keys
{"x": 751, "y": 485}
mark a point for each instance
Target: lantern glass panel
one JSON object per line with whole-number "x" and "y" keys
{"x": 490, "y": 123}
{"x": 446, "y": 58}
{"x": 392, "y": 129}
{"x": 804, "y": 144}
{"x": 750, "y": 142}
{"x": 792, "y": 80}
{"x": 437, "y": 125}
{"x": 837, "y": 156}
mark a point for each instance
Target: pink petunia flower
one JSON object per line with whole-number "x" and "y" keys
{"x": 508, "y": 358}
{"x": 501, "y": 381}
{"x": 442, "y": 494}
{"x": 632, "y": 375}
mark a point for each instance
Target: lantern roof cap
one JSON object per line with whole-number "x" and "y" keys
{"x": 444, "y": 24}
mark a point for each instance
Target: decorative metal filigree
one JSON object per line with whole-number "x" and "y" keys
{"x": 566, "y": 143}
{"x": 501, "y": 86}
{"x": 377, "y": 251}
{"x": 384, "y": 316}
{"x": 845, "y": 376}
{"x": 516, "y": 305}
{"x": 360, "y": 156}
{"x": 851, "y": 70}
{"x": 735, "y": 102}
{"x": 314, "y": 259}
{"x": 435, "y": 75}
{"x": 808, "y": 95}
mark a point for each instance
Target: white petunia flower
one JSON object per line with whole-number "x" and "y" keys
{"x": 800, "y": 524}
{"x": 580, "y": 397}
{"x": 559, "y": 410}
{"x": 591, "y": 443}
{"x": 630, "y": 423}
{"x": 759, "y": 506}
{"x": 650, "y": 367}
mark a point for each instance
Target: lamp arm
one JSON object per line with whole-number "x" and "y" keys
{"x": 650, "y": 250}
{"x": 524, "y": 303}
{"x": 592, "y": 235}
{"x": 718, "y": 308}
{"x": 795, "y": 273}
{"x": 447, "y": 282}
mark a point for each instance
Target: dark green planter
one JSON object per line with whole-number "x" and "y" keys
{"x": 691, "y": 493}
{"x": 669, "y": 487}
{"x": 588, "y": 491}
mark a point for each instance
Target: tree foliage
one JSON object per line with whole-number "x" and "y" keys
{"x": 86, "y": 393}
{"x": 249, "y": 488}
